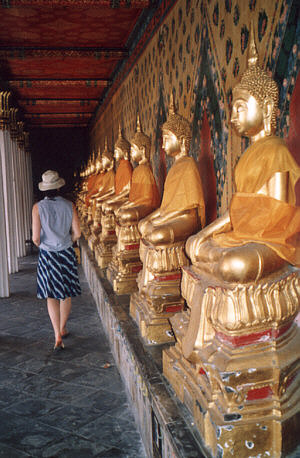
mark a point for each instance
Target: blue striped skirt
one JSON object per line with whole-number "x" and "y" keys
{"x": 57, "y": 275}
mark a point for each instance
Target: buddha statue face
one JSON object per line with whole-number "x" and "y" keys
{"x": 137, "y": 154}
{"x": 171, "y": 144}
{"x": 122, "y": 147}
{"x": 255, "y": 99}
{"x": 247, "y": 115}
{"x": 98, "y": 165}
{"x": 92, "y": 169}
{"x": 118, "y": 154}
{"x": 107, "y": 162}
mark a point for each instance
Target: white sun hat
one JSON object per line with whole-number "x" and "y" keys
{"x": 51, "y": 180}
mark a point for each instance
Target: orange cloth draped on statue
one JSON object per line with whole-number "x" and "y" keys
{"x": 107, "y": 183}
{"x": 183, "y": 188}
{"x": 262, "y": 219}
{"x": 123, "y": 175}
{"x": 92, "y": 180}
{"x": 143, "y": 190}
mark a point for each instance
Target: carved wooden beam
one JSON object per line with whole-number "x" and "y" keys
{"x": 18, "y": 52}
{"x": 41, "y": 83}
{"x": 64, "y": 102}
{"x": 62, "y": 125}
{"x": 115, "y": 4}
{"x": 64, "y": 116}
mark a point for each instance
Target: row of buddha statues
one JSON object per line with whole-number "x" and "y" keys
{"x": 236, "y": 359}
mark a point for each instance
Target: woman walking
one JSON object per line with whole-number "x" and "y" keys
{"x": 55, "y": 226}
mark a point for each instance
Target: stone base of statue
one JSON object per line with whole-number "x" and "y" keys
{"x": 104, "y": 253}
{"x": 159, "y": 296}
{"x": 236, "y": 363}
{"x": 93, "y": 239}
{"x": 107, "y": 240}
{"x": 122, "y": 271}
{"x": 154, "y": 327}
{"x": 85, "y": 229}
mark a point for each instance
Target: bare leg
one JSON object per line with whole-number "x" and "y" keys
{"x": 54, "y": 314}
{"x": 65, "y": 309}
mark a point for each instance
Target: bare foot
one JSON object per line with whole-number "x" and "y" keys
{"x": 59, "y": 345}
{"x": 64, "y": 333}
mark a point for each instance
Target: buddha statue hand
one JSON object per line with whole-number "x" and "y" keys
{"x": 166, "y": 228}
{"x": 162, "y": 235}
{"x": 108, "y": 207}
{"x": 127, "y": 215}
{"x": 196, "y": 247}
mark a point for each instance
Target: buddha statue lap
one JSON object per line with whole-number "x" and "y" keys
{"x": 95, "y": 177}
{"x": 103, "y": 189}
{"x": 163, "y": 235}
{"x": 86, "y": 211}
{"x": 80, "y": 198}
{"x": 237, "y": 357}
{"x": 123, "y": 176}
{"x": 143, "y": 199}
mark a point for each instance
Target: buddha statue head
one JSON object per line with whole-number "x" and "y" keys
{"x": 122, "y": 147}
{"x": 140, "y": 145}
{"x": 99, "y": 167}
{"x": 177, "y": 132}
{"x": 255, "y": 99}
{"x": 90, "y": 166}
{"x": 107, "y": 158}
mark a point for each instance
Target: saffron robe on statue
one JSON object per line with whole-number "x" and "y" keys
{"x": 103, "y": 184}
{"x": 259, "y": 218}
{"x": 183, "y": 188}
{"x": 143, "y": 190}
{"x": 123, "y": 175}
{"x": 90, "y": 187}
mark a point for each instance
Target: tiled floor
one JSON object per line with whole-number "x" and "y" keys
{"x": 66, "y": 404}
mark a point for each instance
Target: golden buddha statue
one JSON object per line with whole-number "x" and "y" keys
{"x": 90, "y": 177}
{"x": 237, "y": 356}
{"x": 257, "y": 236}
{"x": 80, "y": 199}
{"x": 104, "y": 187}
{"x": 123, "y": 176}
{"x": 143, "y": 199}
{"x": 164, "y": 232}
{"x": 92, "y": 189}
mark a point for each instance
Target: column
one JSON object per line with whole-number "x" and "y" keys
{"x": 20, "y": 188}
{"x": 4, "y": 284}
{"x": 7, "y": 176}
{"x": 27, "y": 185}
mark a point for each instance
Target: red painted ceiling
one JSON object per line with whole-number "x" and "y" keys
{"x": 58, "y": 57}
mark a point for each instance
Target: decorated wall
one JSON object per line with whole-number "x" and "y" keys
{"x": 198, "y": 50}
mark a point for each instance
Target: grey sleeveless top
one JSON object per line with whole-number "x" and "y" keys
{"x": 56, "y": 221}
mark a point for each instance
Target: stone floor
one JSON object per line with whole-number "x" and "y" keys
{"x": 66, "y": 404}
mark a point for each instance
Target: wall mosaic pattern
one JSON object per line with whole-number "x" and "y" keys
{"x": 199, "y": 52}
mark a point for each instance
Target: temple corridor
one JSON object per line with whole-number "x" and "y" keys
{"x": 160, "y": 140}
{"x": 67, "y": 404}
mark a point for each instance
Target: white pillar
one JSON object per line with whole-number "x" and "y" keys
{"x": 16, "y": 136}
{"x": 4, "y": 284}
{"x": 19, "y": 197}
{"x": 29, "y": 190}
{"x": 7, "y": 177}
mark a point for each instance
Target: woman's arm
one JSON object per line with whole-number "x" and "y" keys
{"x": 76, "y": 231}
{"x": 36, "y": 225}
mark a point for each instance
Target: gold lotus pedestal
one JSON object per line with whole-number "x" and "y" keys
{"x": 108, "y": 239}
{"x": 159, "y": 296}
{"x": 95, "y": 229}
{"x": 93, "y": 239}
{"x": 85, "y": 227}
{"x": 125, "y": 265}
{"x": 236, "y": 363}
